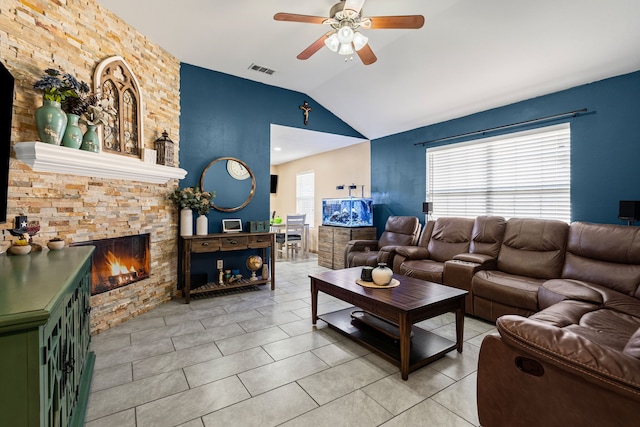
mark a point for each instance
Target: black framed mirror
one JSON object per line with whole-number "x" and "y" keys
{"x": 232, "y": 180}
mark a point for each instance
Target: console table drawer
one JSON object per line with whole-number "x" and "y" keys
{"x": 261, "y": 241}
{"x": 232, "y": 243}
{"x": 205, "y": 245}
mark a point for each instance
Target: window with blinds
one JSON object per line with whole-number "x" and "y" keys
{"x": 524, "y": 174}
{"x": 305, "y": 196}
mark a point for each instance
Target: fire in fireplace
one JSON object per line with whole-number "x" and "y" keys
{"x": 118, "y": 262}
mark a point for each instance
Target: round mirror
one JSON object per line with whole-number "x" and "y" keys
{"x": 229, "y": 178}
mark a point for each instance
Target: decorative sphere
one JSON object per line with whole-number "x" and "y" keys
{"x": 254, "y": 262}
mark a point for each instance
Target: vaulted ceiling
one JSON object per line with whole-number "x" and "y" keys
{"x": 470, "y": 56}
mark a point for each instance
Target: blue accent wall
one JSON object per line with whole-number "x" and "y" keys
{"x": 227, "y": 116}
{"x": 605, "y": 149}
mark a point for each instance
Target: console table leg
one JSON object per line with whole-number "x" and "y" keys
{"x": 405, "y": 345}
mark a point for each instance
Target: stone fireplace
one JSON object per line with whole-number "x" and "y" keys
{"x": 118, "y": 262}
{"x": 80, "y": 196}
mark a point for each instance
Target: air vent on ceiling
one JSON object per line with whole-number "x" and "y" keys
{"x": 261, "y": 69}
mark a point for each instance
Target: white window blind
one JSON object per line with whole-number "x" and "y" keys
{"x": 305, "y": 196}
{"x": 525, "y": 174}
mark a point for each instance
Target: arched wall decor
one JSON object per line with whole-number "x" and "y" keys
{"x": 114, "y": 80}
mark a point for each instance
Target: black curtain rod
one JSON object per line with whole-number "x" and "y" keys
{"x": 556, "y": 116}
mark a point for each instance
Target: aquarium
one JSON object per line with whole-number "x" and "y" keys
{"x": 349, "y": 212}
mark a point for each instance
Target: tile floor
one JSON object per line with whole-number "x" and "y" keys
{"x": 254, "y": 359}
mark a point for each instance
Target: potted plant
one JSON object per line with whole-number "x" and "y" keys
{"x": 56, "y": 86}
{"x": 190, "y": 198}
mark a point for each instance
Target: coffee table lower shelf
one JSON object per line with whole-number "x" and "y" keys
{"x": 426, "y": 346}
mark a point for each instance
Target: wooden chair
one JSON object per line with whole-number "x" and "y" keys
{"x": 291, "y": 239}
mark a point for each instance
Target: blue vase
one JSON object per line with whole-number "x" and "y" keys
{"x": 51, "y": 122}
{"x": 90, "y": 140}
{"x": 72, "y": 137}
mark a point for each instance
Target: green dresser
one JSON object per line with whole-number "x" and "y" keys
{"x": 45, "y": 363}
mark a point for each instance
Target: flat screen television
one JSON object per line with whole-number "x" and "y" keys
{"x": 6, "y": 113}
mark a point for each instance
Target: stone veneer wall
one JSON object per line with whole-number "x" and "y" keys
{"x": 75, "y": 35}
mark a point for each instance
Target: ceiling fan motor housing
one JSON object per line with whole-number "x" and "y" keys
{"x": 337, "y": 8}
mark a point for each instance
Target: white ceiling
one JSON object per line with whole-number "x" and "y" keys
{"x": 470, "y": 56}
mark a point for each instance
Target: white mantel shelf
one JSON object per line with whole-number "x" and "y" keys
{"x": 42, "y": 157}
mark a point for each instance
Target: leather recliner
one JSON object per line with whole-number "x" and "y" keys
{"x": 398, "y": 231}
{"x": 532, "y": 252}
{"x": 449, "y": 237}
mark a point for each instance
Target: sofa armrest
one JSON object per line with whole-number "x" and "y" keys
{"x": 361, "y": 246}
{"x": 413, "y": 252}
{"x": 573, "y": 353}
{"x": 458, "y": 274}
{"x": 481, "y": 259}
{"x": 386, "y": 255}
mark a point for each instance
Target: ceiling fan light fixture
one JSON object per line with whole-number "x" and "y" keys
{"x": 345, "y": 34}
{"x": 359, "y": 40}
{"x": 332, "y": 42}
{"x": 346, "y": 49}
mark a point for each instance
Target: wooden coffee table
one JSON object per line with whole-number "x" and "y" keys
{"x": 414, "y": 300}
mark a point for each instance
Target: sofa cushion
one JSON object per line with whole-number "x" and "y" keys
{"x": 605, "y": 254}
{"x": 533, "y": 248}
{"x": 487, "y": 235}
{"x": 450, "y": 236}
{"x": 400, "y": 231}
{"x": 424, "y": 269}
{"x": 507, "y": 289}
{"x": 599, "y": 324}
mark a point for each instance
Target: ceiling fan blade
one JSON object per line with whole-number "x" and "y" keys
{"x": 366, "y": 55}
{"x": 314, "y": 47}
{"x": 292, "y": 17}
{"x": 355, "y": 5}
{"x": 408, "y": 21}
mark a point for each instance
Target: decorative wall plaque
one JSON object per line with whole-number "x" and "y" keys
{"x": 114, "y": 81}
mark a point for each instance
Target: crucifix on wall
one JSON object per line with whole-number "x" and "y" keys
{"x": 305, "y": 111}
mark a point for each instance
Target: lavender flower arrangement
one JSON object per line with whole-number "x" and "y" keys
{"x": 58, "y": 86}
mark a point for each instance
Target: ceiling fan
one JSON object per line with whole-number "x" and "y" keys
{"x": 345, "y": 19}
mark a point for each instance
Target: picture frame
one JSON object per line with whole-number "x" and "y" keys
{"x": 232, "y": 225}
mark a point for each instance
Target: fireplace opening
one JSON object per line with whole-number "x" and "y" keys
{"x": 118, "y": 262}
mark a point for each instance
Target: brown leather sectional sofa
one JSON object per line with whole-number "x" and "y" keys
{"x": 566, "y": 301}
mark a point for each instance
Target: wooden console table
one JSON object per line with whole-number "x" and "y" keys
{"x": 223, "y": 242}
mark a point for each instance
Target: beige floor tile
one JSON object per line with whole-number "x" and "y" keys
{"x": 427, "y": 413}
{"x": 460, "y": 398}
{"x": 216, "y": 369}
{"x": 397, "y": 395}
{"x": 195, "y": 402}
{"x": 355, "y": 409}
{"x": 296, "y": 345}
{"x": 340, "y": 380}
{"x": 273, "y": 375}
{"x": 265, "y": 410}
